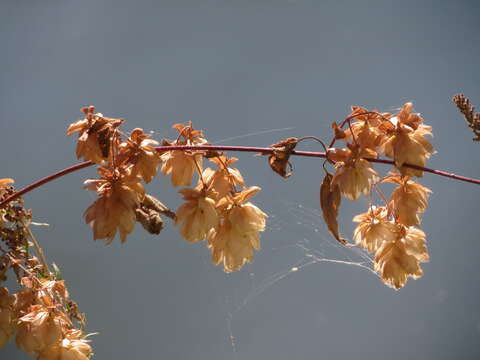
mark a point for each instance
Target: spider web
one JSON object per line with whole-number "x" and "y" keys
{"x": 316, "y": 246}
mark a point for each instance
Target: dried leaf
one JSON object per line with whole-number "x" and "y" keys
{"x": 152, "y": 203}
{"x": 330, "y": 203}
{"x": 148, "y": 214}
{"x": 150, "y": 220}
{"x": 278, "y": 160}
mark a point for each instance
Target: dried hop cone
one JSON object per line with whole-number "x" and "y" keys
{"x": 39, "y": 328}
{"x": 233, "y": 241}
{"x": 374, "y": 228}
{"x": 139, "y": 151}
{"x": 197, "y": 216}
{"x": 405, "y": 141}
{"x": 355, "y": 178}
{"x": 400, "y": 259}
{"x": 95, "y": 135}
{"x": 408, "y": 200}
{"x": 73, "y": 347}
{"x": 115, "y": 209}
{"x": 181, "y": 165}
{"x": 221, "y": 182}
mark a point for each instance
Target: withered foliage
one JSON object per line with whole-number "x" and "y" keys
{"x": 218, "y": 197}
{"x": 217, "y": 208}
{"x": 42, "y": 317}
{"x": 387, "y": 231}
{"x": 279, "y": 158}
{"x": 96, "y": 135}
{"x": 330, "y": 199}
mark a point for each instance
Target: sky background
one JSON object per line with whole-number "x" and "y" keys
{"x": 234, "y": 68}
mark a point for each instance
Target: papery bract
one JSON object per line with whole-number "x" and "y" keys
{"x": 405, "y": 141}
{"x": 197, "y": 216}
{"x": 400, "y": 259}
{"x": 38, "y": 329}
{"x": 73, "y": 347}
{"x": 355, "y": 178}
{"x": 115, "y": 209}
{"x": 408, "y": 200}
{"x": 181, "y": 166}
{"x": 233, "y": 240}
{"x": 373, "y": 229}
{"x": 139, "y": 152}
{"x": 222, "y": 182}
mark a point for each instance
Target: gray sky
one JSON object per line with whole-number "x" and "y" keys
{"x": 234, "y": 68}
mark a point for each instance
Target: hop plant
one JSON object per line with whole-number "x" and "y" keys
{"x": 217, "y": 208}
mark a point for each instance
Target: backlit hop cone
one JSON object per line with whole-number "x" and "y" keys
{"x": 73, "y": 347}
{"x": 115, "y": 209}
{"x": 406, "y": 142}
{"x": 400, "y": 259}
{"x": 374, "y": 228}
{"x": 233, "y": 241}
{"x": 197, "y": 216}
{"x": 39, "y": 329}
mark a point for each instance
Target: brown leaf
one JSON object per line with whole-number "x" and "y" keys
{"x": 330, "y": 203}
{"x": 152, "y": 203}
{"x": 150, "y": 220}
{"x": 278, "y": 160}
{"x": 149, "y": 214}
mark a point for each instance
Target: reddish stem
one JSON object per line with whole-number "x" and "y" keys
{"x": 264, "y": 150}
{"x": 45, "y": 180}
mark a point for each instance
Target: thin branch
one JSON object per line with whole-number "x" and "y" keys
{"x": 45, "y": 180}
{"x": 41, "y": 254}
{"x": 314, "y": 138}
{"x": 263, "y": 150}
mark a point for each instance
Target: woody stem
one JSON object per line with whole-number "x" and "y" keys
{"x": 263, "y": 150}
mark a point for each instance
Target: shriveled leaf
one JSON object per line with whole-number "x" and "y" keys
{"x": 149, "y": 214}
{"x": 278, "y": 160}
{"x": 152, "y": 203}
{"x": 150, "y": 220}
{"x": 330, "y": 203}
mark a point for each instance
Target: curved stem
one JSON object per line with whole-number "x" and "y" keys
{"x": 45, "y": 180}
{"x": 263, "y": 150}
{"x": 314, "y": 138}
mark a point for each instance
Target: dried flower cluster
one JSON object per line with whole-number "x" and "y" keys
{"x": 41, "y": 317}
{"x": 388, "y": 231}
{"x": 217, "y": 208}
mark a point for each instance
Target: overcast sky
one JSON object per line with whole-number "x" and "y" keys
{"x": 239, "y": 67}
